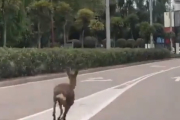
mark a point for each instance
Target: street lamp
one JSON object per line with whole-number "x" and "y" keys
{"x": 108, "y": 36}
{"x": 170, "y": 15}
{"x": 151, "y": 21}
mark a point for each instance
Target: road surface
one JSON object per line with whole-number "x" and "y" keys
{"x": 141, "y": 92}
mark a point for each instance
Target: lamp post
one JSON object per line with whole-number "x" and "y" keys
{"x": 108, "y": 36}
{"x": 170, "y": 15}
{"x": 151, "y": 21}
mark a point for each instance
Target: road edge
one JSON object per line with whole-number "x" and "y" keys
{"x": 27, "y": 79}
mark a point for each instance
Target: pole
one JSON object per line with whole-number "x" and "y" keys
{"x": 52, "y": 27}
{"x": 108, "y": 39}
{"x": 151, "y": 21}
{"x": 170, "y": 14}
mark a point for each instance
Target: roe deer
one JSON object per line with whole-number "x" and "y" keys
{"x": 64, "y": 95}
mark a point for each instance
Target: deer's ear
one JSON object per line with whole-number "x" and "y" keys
{"x": 76, "y": 72}
{"x": 68, "y": 71}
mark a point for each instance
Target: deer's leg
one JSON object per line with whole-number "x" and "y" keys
{"x": 67, "y": 107}
{"x": 61, "y": 110}
{"x": 54, "y": 110}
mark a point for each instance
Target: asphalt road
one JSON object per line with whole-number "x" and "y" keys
{"x": 141, "y": 92}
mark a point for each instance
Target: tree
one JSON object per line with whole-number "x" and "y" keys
{"x": 9, "y": 8}
{"x": 132, "y": 20}
{"x": 84, "y": 16}
{"x": 159, "y": 30}
{"x": 96, "y": 26}
{"x": 116, "y": 25}
{"x": 145, "y": 30}
{"x": 63, "y": 14}
{"x": 40, "y": 14}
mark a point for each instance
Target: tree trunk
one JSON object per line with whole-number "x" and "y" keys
{"x": 39, "y": 40}
{"x": 64, "y": 29}
{"x": 82, "y": 39}
{"x": 39, "y": 36}
{"x": 5, "y": 24}
{"x": 114, "y": 41}
{"x": 4, "y": 33}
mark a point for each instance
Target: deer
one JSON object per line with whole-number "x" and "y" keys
{"x": 64, "y": 95}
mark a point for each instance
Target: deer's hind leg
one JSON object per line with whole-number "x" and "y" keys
{"x": 61, "y": 110}
{"x": 54, "y": 110}
{"x": 67, "y": 107}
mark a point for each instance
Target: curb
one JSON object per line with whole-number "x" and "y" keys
{"x": 22, "y": 80}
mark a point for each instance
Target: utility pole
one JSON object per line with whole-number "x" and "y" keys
{"x": 108, "y": 36}
{"x": 52, "y": 26}
{"x": 170, "y": 15}
{"x": 151, "y": 21}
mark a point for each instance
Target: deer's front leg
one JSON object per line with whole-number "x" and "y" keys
{"x": 67, "y": 107}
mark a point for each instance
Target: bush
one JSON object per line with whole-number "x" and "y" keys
{"x": 76, "y": 43}
{"x": 121, "y": 43}
{"x": 90, "y": 42}
{"x": 104, "y": 43}
{"x": 131, "y": 43}
{"x": 24, "y": 62}
{"x": 140, "y": 42}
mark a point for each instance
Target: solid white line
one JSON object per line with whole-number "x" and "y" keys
{"x": 61, "y": 78}
{"x": 96, "y": 78}
{"x": 157, "y": 66}
{"x": 108, "y": 80}
{"x": 177, "y": 79}
{"x": 126, "y": 83}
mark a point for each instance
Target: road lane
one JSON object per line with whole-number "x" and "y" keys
{"x": 24, "y": 100}
{"x": 156, "y": 98}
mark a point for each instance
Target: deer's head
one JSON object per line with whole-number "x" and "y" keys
{"x": 72, "y": 75}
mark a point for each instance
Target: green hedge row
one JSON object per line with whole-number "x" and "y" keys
{"x": 25, "y": 62}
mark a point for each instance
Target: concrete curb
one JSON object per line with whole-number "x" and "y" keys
{"x": 22, "y": 80}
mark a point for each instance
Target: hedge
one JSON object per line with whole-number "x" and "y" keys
{"x": 25, "y": 62}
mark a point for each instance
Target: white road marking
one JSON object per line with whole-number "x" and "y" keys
{"x": 108, "y": 80}
{"x": 92, "y": 104}
{"x": 97, "y": 79}
{"x": 177, "y": 79}
{"x": 57, "y": 79}
{"x": 157, "y": 66}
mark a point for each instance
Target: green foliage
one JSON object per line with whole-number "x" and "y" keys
{"x": 170, "y": 35}
{"x": 121, "y": 43}
{"x": 96, "y": 25}
{"x": 131, "y": 43}
{"x": 40, "y": 9}
{"x": 19, "y": 20}
{"x": 146, "y": 30}
{"x": 25, "y": 62}
{"x": 140, "y": 42}
{"x": 84, "y": 16}
{"x": 63, "y": 7}
{"x": 90, "y": 42}
{"x": 117, "y": 22}
{"x": 159, "y": 29}
{"x": 76, "y": 43}
{"x": 131, "y": 18}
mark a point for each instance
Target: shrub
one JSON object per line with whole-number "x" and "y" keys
{"x": 130, "y": 43}
{"x": 104, "y": 43}
{"x": 90, "y": 42}
{"x": 25, "y": 62}
{"x": 121, "y": 43}
{"x": 76, "y": 43}
{"x": 140, "y": 42}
